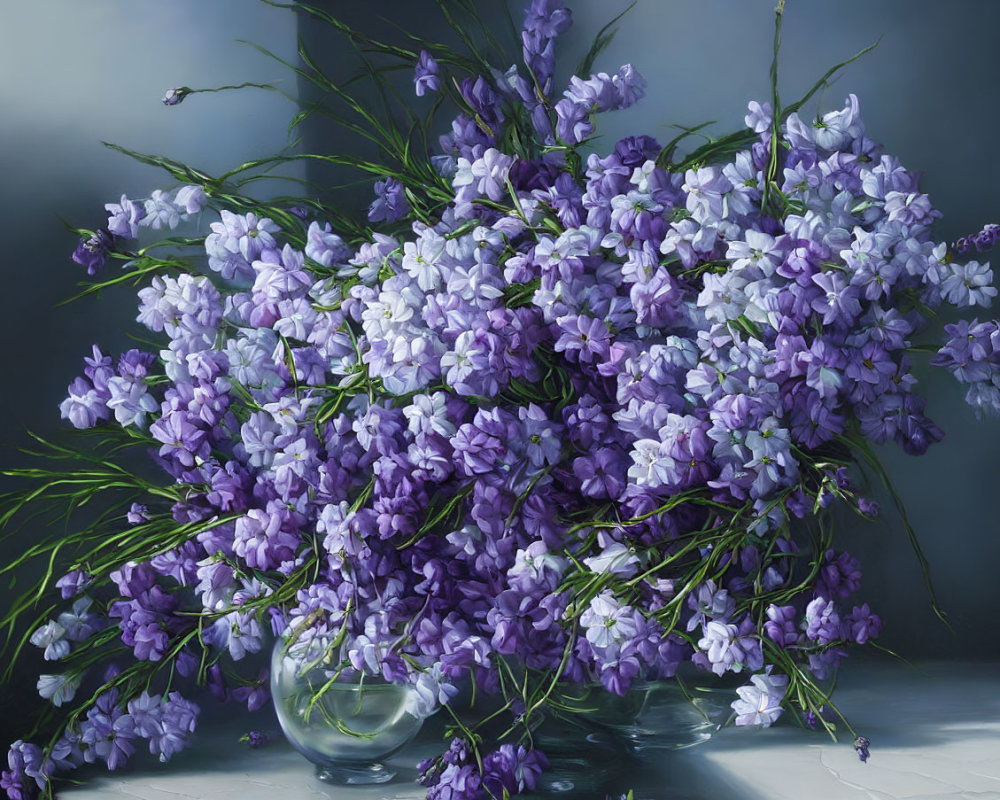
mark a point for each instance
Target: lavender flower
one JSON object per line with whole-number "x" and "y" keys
{"x": 52, "y": 638}
{"x": 160, "y": 211}
{"x": 92, "y": 251}
{"x": 256, "y": 739}
{"x": 759, "y": 701}
{"x": 124, "y": 218}
{"x": 425, "y": 74}
{"x": 484, "y": 176}
{"x": 107, "y": 733}
{"x": 390, "y": 201}
{"x": 861, "y": 744}
{"x": 58, "y": 689}
{"x": 175, "y": 95}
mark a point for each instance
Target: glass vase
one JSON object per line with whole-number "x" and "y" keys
{"x": 346, "y": 726}
{"x": 589, "y": 733}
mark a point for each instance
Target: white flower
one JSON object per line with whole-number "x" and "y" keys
{"x": 760, "y": 700}
{"x": 58, "y": 688}
{"x": 425, "y": 260}
{"x": 607, "y": 622}
{"x": 190, "y": 199}
{"x": 652, "y": 467}
{"x": 969, "y": 285}
{"x": 428, "y": 413}
{"x": 431, "y": 691}
{"x": 617, "y": 558}
{"x": 51, "y": 636}
{"x": 160, "y": 212}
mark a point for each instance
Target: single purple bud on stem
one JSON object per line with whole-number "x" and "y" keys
{"x": 175, "y": 95}
{"x": 255, "y": 739}
{"x": 870, "y": 508}
{"x": 861, "y": 744}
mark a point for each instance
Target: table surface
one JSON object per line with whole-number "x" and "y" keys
{"x": 934, "y": 729}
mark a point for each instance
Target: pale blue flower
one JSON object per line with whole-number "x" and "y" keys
{"x": 759, "y": 701}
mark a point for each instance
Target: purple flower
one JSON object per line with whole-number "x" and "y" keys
{"x": 758, "y": 117}
{"x": 603, "y": 474}
{"x": 15, "y": 781}
{"x": 968, "y": 284}
{"x": 861, "y": 744}
{"x": 634, "y": 151}
{"x": 255, "y": 694}
{"x": 781, "y": 625}
{"x": 256, "y": 739}
{"x": 107, "y": 733}
{"x": 839, "y": 576}
{"x": 861, "y": 625}
{"x": 983, "y": 240}
{"x": 92, "y": 251}
{"x": 587, "y": 338}
{"x": 547, "y": 18}
{"x": 324, "y": 246}
{"x": 190, "y": 199}
{"x": 137, "y": 514}
{"x": 709, "y": 603}
{"x": 456, "y": 783}
{"x": 484, "y": 176}
{"x": 124, "y": 218}
{"x": 390, "y": 201}
{"x": 835, "y": 131}
{"x": 870, "y": 508}
{"x": 175, "y": 95}
{"x": 822, "y": 621}
{"x": 85, "y": 406}
{"x": 425, "y": 74}
{"x": 483, "y": 100}
{"x": 729, "y": 647}
{"x": 262, "y": 538}
{"x": 180, "y": 438}
{"x": 512, "y": 770}
{"x": 72, "y": 583}
{"x": 58, "y": 689}
{"x": 178, "y": 721}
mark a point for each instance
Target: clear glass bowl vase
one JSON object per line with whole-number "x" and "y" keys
{"x": 588, "y": 733}
{"x": 345, "y": 726}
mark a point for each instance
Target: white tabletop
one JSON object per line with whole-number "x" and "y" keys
{"x": 934, "y": 731}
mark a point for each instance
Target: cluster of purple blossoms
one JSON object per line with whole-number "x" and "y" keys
{"x": 508, "y": 771}
{"x": 110, "y": 732}
{"x": 569, "y": 423}
{"x": 126, "y": 217}
{"x": 972, "y": 355}
{"x": 983, "y": 241}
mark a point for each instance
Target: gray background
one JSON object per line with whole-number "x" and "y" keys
{"x": 78, "y": 73}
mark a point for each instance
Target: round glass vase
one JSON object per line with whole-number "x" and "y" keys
{"x": 588, "y": 732}
{"x": 346, "y": 726}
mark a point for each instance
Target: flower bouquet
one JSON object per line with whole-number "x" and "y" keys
{"x": 556, "y": 415}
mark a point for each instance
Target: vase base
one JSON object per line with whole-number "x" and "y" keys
{"x": 354, "y": 774}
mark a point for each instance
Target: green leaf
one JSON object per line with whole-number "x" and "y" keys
{"x": 601, "y": 41}
{"x": 864, "y": 447}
